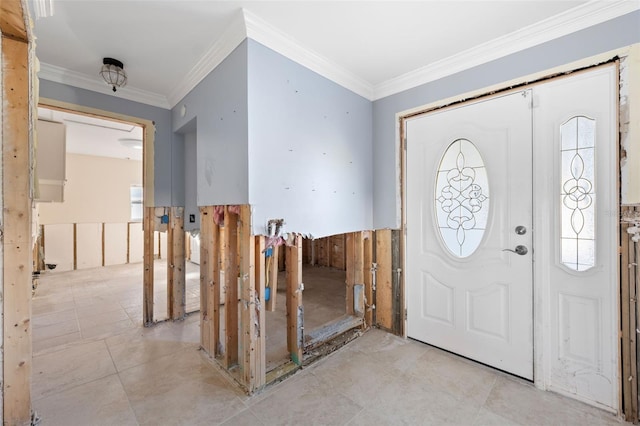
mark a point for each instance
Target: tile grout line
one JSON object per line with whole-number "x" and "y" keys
{"x": 124, "y": 389}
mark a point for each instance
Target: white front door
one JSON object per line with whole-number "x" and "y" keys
{"x": 469, "y": 240}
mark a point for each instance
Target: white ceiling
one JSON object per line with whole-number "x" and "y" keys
{"x": 94, "y": 136}
{"x": 371, "y": 47}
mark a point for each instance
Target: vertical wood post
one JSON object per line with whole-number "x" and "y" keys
{"x": 355, "y": 269}
{"x": 175, "y": 264}
{"x": 103, "y": 244}
{"x": 206, "y": 277}
{"x": 215, "y": 286}
{"x": 16, "y": 242}
{"x": 384, "y": 294}
{"x": 273, "y": 280}
{"x": 248, "y": 327}
{"x": 75, "y": 246}
{"x": 261, "y": 346}
{"x": 625, "y": 304}
{"x": 230, "y": 266}
{"x": 147, "y": 293}
{"x": 295, "y": 313}
{"x": 368, "y": 277}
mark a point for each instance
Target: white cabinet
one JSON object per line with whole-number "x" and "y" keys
{"x": 50, "y": 161}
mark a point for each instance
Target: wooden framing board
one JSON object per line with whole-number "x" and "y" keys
{"x": 295, "y": 312}
{"x": 75, "y": 246}
{"x": 271, "y": 304}
{"x": 368, "y": 277}
{"x": 397, "y": 282}
{"x": 206, "y": 277}
{"x": 249, "y": 329}
{"x": 261, "y": 347}
{"x": 16, "y": 212}
{"x": 629, "y": 258}
{"x": 229, "y": 239}
{"x": 13, "y": 21}
{"x": 384, "y": 295}
{"x": 355, "y": 270}
{"x": 215, "y": 285}
{"x": 103, "y": 243}
{"x": 148, "y": 260}
{"x": 176, "y": 285}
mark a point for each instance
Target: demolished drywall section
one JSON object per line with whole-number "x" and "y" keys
{"x": 310, "y": 155}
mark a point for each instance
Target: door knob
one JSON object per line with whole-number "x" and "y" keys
{"x": 521, "y": 250}
{"x": 521, "y": 230}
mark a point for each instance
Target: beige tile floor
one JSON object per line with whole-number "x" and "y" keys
{"x": 93, "y": 366}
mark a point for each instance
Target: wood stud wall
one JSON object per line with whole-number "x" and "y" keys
{"x": 233, "y": 277}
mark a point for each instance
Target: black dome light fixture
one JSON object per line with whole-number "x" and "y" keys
{"x": 113, "y": 73}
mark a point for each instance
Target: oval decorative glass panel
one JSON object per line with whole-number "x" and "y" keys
{"x": 578, "y": 195}
{"x": 462, "y": 198}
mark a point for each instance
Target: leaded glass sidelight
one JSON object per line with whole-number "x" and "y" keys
{"x": 462, "y": 198}
{"x": 578, "y": 195}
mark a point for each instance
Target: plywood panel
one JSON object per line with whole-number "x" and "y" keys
{"x": 58, "y": 246}
{"x": 136, "y": 242}
{"x": 115, "y": 243}
{"x": 89, "y": 245}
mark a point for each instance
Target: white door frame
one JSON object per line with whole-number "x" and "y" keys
{"x": 540, "y": 337}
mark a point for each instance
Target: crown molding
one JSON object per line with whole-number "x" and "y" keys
{"x": 570, "y": 21}
{"x": 266, "y": 34}
{"x": 232, "y": 36}
{"x": 84, "y": 81}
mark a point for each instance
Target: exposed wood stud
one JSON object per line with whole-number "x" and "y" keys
{"x": 206, "y": 276}
{"x": 261, "y": 353}
{"x": 13, "y": 22}
{"x": 75, "y": 246}
{"x": 295, "y": 313}
{"x": 176, "y": 285}
{"x": 625, "y": 305}
{"x": 148, "y": 261}
{"x": 215, "y": 285}
{"x": 231, "y": 287}
{"x": 248, "y": 327}
{"x": 368, "y": 277}
{"x": 355, "y": 269}
{"x": 16, "y": 220}
{"x": 384, "y": 294}
{"x": 103, "y": 243}
{"x": 272, "y": 272}
{"x": 396, "y": 262}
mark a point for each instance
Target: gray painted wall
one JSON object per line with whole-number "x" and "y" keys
{"x": 190, "y": 182}
{"x": 619, "y": 32}
{"x": 310, "y": 152}
{"x": 219, "y": 102}
{"x": 161, "y": 117}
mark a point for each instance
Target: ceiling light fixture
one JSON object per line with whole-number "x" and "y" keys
{"x": 113, "y": 73}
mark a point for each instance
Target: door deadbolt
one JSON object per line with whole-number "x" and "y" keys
{"x": 521, "y": 250}
{"x": 521, "y": 230}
